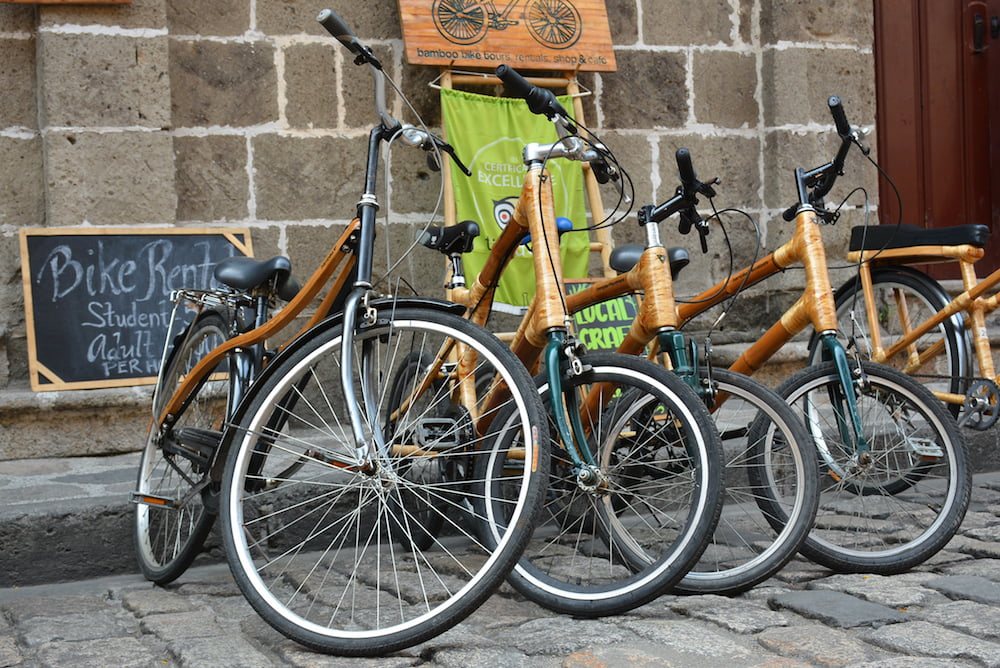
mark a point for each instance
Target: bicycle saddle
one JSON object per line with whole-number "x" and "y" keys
{"x": 455, "y": 238}
{"x": 246, "y": 273}
{"x": 877, "y": 237}
{"x": 624, "y": 257}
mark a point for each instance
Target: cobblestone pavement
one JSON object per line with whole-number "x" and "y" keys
{"x": 947, "y": 612}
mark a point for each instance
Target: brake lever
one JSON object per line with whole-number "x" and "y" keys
{"x": 444, "y": 147}
{"x": 703, "y": 229}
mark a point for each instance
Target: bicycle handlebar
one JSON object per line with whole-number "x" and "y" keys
{"x": 684, "y": 201}
{"x": 341, "y": 32}
{"x": 839, "y": 116}
{"x": 411, "y": 135}
{"x": 540, "y": 101}
{"x": 813, "y": 185}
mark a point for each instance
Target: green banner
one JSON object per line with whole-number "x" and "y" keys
{"x": 488, "y": 134}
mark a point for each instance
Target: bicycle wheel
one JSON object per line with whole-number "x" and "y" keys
{"x": 896, "y": 508}
{"x": 553, "y": 23}
{"x": 421, "y": 472}
{"x": 608, "y": 547}
{"x": 899, "y": 292}
{"x": 313, "y": 536}
{"x": 460, "y": 21}
{"x": 765, "y": 447}
{"x": 168, "y": 536}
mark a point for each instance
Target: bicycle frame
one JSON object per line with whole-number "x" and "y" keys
{"x": 971, "y": 301}
{"x": 815, "y": 307}
{"x": 546, "y": 324}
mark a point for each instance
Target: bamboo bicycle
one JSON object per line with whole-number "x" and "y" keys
{"x": 906, "y": 319}
{"x": 312, "y": 473}
{"x": 634, "y": 493}
{"x": 895, "y": 483}
{"x": 762, "y": 437}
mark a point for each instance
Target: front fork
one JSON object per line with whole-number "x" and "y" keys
{"x": 845, "y": 405}
{"x": 566, "y": 410}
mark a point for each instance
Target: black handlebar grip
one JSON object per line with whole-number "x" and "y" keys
{"x": 336, "y": 27}
{"x": 839, "y": 117}
{"x": 540, "y": 100}
{"x": 514, "y": 82}
{"x": 684, "y": 168}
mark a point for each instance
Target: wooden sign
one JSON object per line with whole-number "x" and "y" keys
{"x": 97, "y": 301}
{"x": 566, "y": 35}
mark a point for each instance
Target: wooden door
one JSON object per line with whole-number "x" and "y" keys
{"x": 938, "y": 113}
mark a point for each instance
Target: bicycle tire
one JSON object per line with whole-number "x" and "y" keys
{"x": 555, "y": 24}
{"x": 427, "y": 522}
{"x": 898, "y": 510}
{"x": 460, "y": 21}
{"x": 310, "y": 536}
{"x": 766, "y": 447}
{"x": 591, "y": 553}
{"x": 167, "y": 540}
{"x": 893, "y": 288}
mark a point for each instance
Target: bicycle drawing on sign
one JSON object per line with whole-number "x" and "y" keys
{"x": 552, "y": 23}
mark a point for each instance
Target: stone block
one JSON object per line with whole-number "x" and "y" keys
{"x": 23, "y": 201}
{"x": 976, "y": 619}
{"x": 967, "y": 587}
{"x": 378, "y": 20}
{"x": 17, "y": 18}
{"x": 734, "y": 159}
{"x": 122, "y": 178}
{"x": 648, "y": 91}
{"x": 17, "y": 79}
{"x": 923, "y": 638}
{"x": 623, "y": 21}
{"x": 724, "y": 87}
{"x": 228, "y": 84}
{"x": 678, "y": 22}
{"x": 798, "y": 81}
{"x": 49, "y": 424}
{"x": 104, "y": 80}
{"x": 136, "y": 14}
{"x": 635, "y": 153}
{"x": 426, "y": 100}
{"x": 308, "y": 178}
{"x": 836, "y": 609}
{"x": 221, "y": 17}
{"x": 840, "y": 21}
{"x": 308, "y": 246}
{"x": 311, "y": 93}
{"x": 212, "y": 181}
{"x": 357, "y": 91}
{"x": 120, "y": 652}
{"x": 816, "y": 646}
{"x": 784, "y": 150}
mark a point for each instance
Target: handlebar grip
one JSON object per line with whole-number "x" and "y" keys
{"x": 839, "y": 117}
{"x": 540, "y": 100}
{"x": 684, "y": 168}
{"x": 336, "y": 27}
{"x": 514, "y": 82}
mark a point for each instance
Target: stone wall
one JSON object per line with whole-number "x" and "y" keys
{"x": 246, "y": 113}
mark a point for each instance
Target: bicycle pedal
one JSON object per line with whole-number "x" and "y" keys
{"x": 153, "y": 500}
{"x": 925, "y": 447}
{"x": 194, "y": 444}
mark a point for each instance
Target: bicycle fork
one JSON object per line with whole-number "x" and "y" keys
{"x": 845, "y": 406}
{"x": 566, "y": 412}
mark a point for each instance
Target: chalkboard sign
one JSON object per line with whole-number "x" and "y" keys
{"x": 603, "y": 326}
{"x": 97, "y": 299}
